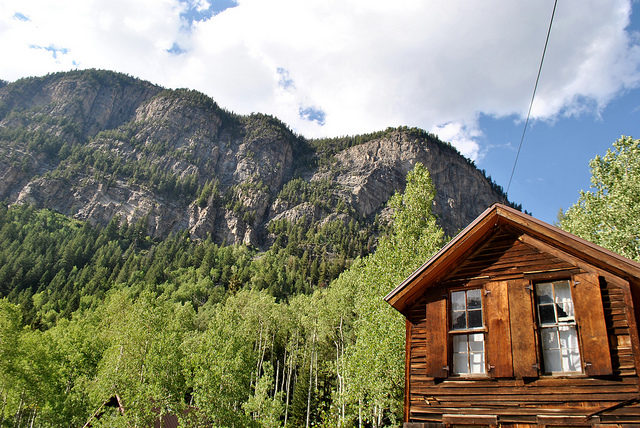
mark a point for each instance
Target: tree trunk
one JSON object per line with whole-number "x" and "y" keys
{"x": 258, "y": 348}
{"x": 19, "y": 412}
{"x": 339, "y": 375}
{"x": 311, "y": 355}
{"x": 344, "y": 386}
{"x": 4, "y": 405}
{"x": 33, "y": 417}
{"x": 275, "y": 382}
{"x": 289, "y": 374}
{"x": 309, "y": 390}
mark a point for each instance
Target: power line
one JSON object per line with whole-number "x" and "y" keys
{"x": 546, "y": 42}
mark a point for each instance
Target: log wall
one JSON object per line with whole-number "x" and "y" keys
{"x": 538, "y": 400}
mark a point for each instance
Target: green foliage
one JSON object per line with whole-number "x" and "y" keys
{"x": 49, "y": 261}
{"x": 259, "y": 126}
{"x": 609, "y": 215}
{"x": 142, "y": 362}
{"x": 267, "y": 410}
{"x": 212, "y": 334}
{"x": 319, "y": 193}
{"x": 91, "y": 317}
{"x": 208, "y": 193}
{"x": 225, "y": 361}
{"x": 47, "y": 370}
{"x": 375, "y": 360}
{"x": 194, "y": 98}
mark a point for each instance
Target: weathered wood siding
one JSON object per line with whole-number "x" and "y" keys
{"x": 529, "y": 400}
{"x": 504, "y": 256}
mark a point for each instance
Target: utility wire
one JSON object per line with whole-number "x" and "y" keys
{"x": 546, "y": 42}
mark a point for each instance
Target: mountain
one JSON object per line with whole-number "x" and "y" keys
{"x": 95, "y": 145}
{"x": 120, "y": 202}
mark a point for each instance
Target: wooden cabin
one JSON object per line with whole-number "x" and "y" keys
{"x": 516, "y": 323}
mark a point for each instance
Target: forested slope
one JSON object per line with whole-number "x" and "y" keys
{"x": 159, "y": 251}
{"x": 193, "y": 329}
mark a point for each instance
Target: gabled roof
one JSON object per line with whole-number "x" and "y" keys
{"x": 450, "y": 256}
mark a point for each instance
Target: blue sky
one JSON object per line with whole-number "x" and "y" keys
{"x": 554, "y": 161}
{"x": 463, "y": 70}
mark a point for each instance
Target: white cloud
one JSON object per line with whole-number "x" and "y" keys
{"x": 461, "y": 136}
{"x": 365, "y": 64}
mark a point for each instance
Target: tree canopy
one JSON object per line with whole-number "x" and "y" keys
{"x": 609, "y": 214}
{"x": 195, "y": 330}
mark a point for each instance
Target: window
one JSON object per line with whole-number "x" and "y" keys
{"x": 467, "y": 332}
{"x": 558, "y": 334}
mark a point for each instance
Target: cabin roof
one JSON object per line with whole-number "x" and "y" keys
{"x": 487, "y": 223}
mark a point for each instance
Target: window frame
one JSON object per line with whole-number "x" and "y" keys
{"x": 451, "y": 332}
{"x": 540, "y": 326}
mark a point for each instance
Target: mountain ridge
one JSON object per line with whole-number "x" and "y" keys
{"x": 96, "y": 144}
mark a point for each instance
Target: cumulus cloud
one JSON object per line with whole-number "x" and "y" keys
{"x": 344, "y": 67}
{"x": 462, "y": 137}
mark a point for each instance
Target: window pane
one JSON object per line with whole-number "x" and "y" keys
{"x": 477, "y": 362}
{"x": 549, "y": 339}
{"x": 459, "y": 320}
{"x": 568, "y": 337}
{"x": 476, "y": 342}
{"x": 571, "y": 360}
{"x": 468, "y": 349}
{"x": 547, "y": 315}
{"x": 564, "y": 304}
{"x": 460, "y": 343}
{"x": 544, "y": 292}
{"x": 559, "y": 338}
{"x": 552, "y": 361}
{"x": 460, "y": 363}
{"x": 474, "y": 301}
{"x": 475, "y": 318}
{"x": 457, "y": 301}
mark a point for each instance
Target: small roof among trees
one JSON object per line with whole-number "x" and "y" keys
{"x": 566, "y": 246}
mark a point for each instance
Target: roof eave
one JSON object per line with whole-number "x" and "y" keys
{"x": 434, "y": 268}
{"x": 398, "y": 295}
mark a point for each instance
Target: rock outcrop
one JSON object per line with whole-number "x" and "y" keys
{"x": 95, "y": 144}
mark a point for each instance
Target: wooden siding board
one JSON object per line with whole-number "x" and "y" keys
{"x": 523, "y": 345}
{"x": 499, "y": 355}
{"x": 436, "y": 336}
{"x": 631, "y": 312}
{"x": 515, "y": 256}
{"x": 567, "y": 387}
{"x": 549, "y": 398}
{"x": 591, "y": 323}
{"x": 407, "y": 369}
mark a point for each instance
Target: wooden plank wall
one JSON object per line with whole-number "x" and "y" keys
{"x": 504, "y": 256}
{"x": 613, "y": 301}
{"x": 522, "y": 401}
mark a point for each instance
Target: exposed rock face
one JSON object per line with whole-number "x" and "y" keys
{"x": 95, "y": 144}
{"x": 373, "y": 171}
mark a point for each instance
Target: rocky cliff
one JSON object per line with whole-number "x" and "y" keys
{"x": 96, "y": 144}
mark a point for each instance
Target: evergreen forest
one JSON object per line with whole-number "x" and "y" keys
{"x": 110, "y": 326}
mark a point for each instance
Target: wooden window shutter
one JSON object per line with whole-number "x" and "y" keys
{"x": 589, "y": 312}
{"x": 522, "y": 324}
{"x": 499, "y": 358}
{"x": 436, "y": 336}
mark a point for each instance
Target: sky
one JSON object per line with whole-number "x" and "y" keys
{"x": 463, "y": 70}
